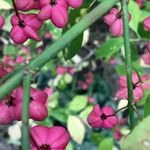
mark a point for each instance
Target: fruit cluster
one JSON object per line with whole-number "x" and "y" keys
{"x": 26, "y": 25}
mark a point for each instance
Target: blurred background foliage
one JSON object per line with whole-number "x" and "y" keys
{"x": 97, "y": 59}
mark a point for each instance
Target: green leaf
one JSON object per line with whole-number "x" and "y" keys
{"x": 76, "y": 129}
{"x": 53, "y": 100}
{"x": 147, "y": 6}
{"x": 10, "y": 50}
{"x": 139, "y": 138}
{"x": 134, "y": 53}
{"x": 78, "y": 103}
{"x": 96, "y": 137}
{"x": 142, "y": 32}
{"x": 88, "y": 2}
{"x": 5, "y": 5}
{"x": 143, "y": 100}
{"x": 74, "y": 16}
{"x": 144, "y": 14}
{"x": 59, "y": 114}
{"x": 106, "y": 144}
{"x": 84, "y": 114}
{"x": 120, "y": 69}
{"x": 69, "y": 146}
{"x": 73, "y": 48}
{"x": 47, "y": 122}
{"x": 62, "y": 84}
{"x": 68, "y": 78}
{"x": 147, "y": 107}
{"x": 7, "y": 26}
{"x": 135, "y": 15}
{"x": 109, "y": 48}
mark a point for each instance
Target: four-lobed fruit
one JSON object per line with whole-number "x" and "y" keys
{"x": 55, "y": 10}
{"x": 2, "y": 21}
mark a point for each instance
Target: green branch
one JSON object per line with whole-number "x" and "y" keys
{"x": 137, "y": 112}
{"x": 70, "y": 35}
{"x": 25, "y": 112}
{"x": 11, "y": 84}
{"x": 128, "y": 61}
{"x": 55, "y": 48}
{"x": 9, "y": 75}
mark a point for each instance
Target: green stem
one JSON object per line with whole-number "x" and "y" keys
{"x": 123, "y": 108}
{"x": 134, "y": 108}
{"x": 6, "y": 77}
{"x": 128, "y": 61}
{"x": 55, "y": 48}
{"x": 70, "y": 35}
{"x": 139, "y": 77}
{"x": 11, "y": 84}
{"x": 25, "y": 112}
{"x": 137, "y": 112}
{"x": 74, "y": 84}
{"x": 139, "y": 40}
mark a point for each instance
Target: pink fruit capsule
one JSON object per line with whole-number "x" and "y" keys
{"x": 75, "y": 3}
{"x": 2, "y": 21}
